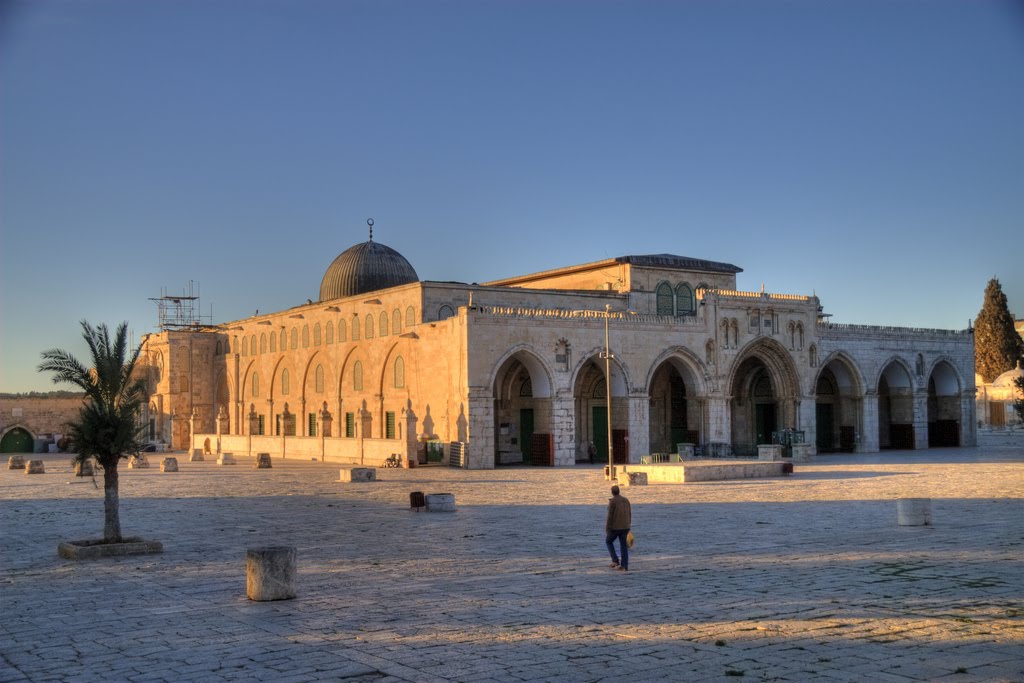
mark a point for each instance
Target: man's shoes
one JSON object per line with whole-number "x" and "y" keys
{"x": 613, "y": 565}
{"x": 620, "y": 568}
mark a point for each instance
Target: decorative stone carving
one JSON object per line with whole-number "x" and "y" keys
{"x": 226, "y": 459}
{"x": 440, "y": 502}
{"x": 357, "y": 474}
{"x": 262, "y": 461}
{"x": 270, "y": 573}
{"x": 138, "y": 462}
{"x": 35, "y": 467}
{"x": 16, "y": 462}
{"x": 169, "y": 465}
{"x": 914, "y": 511}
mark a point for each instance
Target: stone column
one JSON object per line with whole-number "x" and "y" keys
{"x": 563, "y": 428}
{"x": 191, "y": 431}
{"x": 719, "y": 420}
{"x": 303, "y": 418}
{"x": 411, "y": 443}
{"x": 479, "y": 416}
{"x": 807, "y": 421}
{"x": 639, "y": 415}
{"x": 868, "y": 434}
{"x": 222, "y": 422}
{"x": 270, "y": 417}
{"x": 920, "y": 420}
{"x": 968, "y": 419}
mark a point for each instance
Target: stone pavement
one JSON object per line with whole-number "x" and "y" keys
{"x": 806, "y": 578}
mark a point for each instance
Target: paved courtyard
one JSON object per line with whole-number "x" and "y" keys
{"x": 796, "y": 579}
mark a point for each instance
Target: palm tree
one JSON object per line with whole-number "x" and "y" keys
{"x": 107, "y": 427}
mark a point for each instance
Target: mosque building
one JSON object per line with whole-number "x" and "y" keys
{"x": 513, "y": 371}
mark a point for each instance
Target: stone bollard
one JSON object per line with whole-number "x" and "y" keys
{"x": 84, "y": 469}
{"x": 440, "y": 502}
{"x": 138, "y": 462}
{"x": 15, "y": 462}
{"x": 197, "y": 455}
{"x": 262, "y": 461}
{"x": 35, "y": 467}
{"x": 914, "y": 511}
{"x": 169, "y": 465}
{"x": 270, "y": 573}
{"x": 226, "y": 459}
{"x": 357, "y": 474}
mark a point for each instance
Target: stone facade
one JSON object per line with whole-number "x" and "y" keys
{"x": 515, "y": 371}
{"x": 34, "y": 419}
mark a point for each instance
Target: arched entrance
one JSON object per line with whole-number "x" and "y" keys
{"x": 838, "y": 408}
{"x": 17, "y": 440}
{"x": 676, "y": 413}
{"x": 522, "y": 412}
{"x": 590, "y": 396}
{"x": 895, "y": 408}
{"x": 943, "y": 407}
{"x": 763, "y": 401}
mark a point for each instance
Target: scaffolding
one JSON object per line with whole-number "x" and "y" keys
{"x": 181, "y": 312}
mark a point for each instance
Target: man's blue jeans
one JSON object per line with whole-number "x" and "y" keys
{"x": 609, "y": 540}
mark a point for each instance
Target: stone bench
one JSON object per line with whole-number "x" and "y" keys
{"x": 440, "y": 502}
{"x": 686, "y": 472}
{"x": 16, "y": 462}
{"x": 35, "y": 467}
{"x": 357, "y": 474}
{"x": 169, "y": 465}
{"x": 262, "y": 461}
{"x": 226, "y": 459}
{"x": 270, "y": 573}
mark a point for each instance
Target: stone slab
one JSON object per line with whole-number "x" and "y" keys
{"x": 91, "y": 550}
{"x": 169, "y": 465}
{"x": 270, "y": 573}
{"x": 686, "y": 472}
{"x": 440, "y": 502}
{"x": 15, "y": 462}
{"x": 35, "y": 467}
{"x": 769, "y": 451}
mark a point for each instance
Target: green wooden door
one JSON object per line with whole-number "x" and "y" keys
{"x": 525, "y": 432}
{"x": 17, "y": 441}
{"x": 599, "y": 417}
{"x": 764, "y": 425}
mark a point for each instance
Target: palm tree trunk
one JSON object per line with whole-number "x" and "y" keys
{"x": 111, "y": 512}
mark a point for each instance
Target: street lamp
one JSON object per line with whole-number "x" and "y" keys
{"x": 607, "y": 355}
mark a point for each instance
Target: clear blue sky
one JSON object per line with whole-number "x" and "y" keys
{"x": 871, "y": 152}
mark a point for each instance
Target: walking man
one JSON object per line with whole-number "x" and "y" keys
{"x": 620, "y": 517}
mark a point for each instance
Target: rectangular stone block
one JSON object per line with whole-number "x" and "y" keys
{"x": 15, "y": 462}
{"x": 357, "y": 474}
{"x": 769, "y": 451}
{"x": 226, "y": 459}
{"x": 169, "y": 465}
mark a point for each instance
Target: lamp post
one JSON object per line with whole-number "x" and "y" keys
{"x": 607, "y": 355}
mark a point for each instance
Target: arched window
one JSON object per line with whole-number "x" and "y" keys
{"x": 234, "y": 344}
{"x": 684, "y": 299}
{"x": 369, "y": 327}
{"x": 273, "y": 343}
{"x": 219, "y": 349}
{"x": 316, "y": 334}
{"x": 284, "y": 382}
{"x": 255, "y": 385}
{"x": 305, "y": 336}
{"x": 813, "y": 354}
{"x": 319, "y": 377}
{"x": 245, "y": 347}
{"x": 383, "y": 324}
{"x": 295, "y": 338}
{"x": 357, "y": 376}
{"x": 252, "y": 345}
{"x": 284, "y": 344}
{"x": 263, "y": 343}
{"x": 355, "y": 328}
{"x": 410, "y": 317}
{"x": 342, "y": 331}
{"x": 396, "y": 322}
{"x": 399, "y": 373}
{"x": 329, "y": 333}
{"x": 445, "y": 312}
{"x": 664, "y": 299}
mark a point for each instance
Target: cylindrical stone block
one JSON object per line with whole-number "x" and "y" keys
{"x": 15, "y": 462}
{"x": 270, "y": 573}
{"x": 35, "y": 467}
{"x": 440, "y": 502}
{"x": 169, "y": 465}
{"x": 914, "y": 511}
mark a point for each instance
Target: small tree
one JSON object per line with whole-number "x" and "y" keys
{"x": 107, "y": 427}
{"x": 997, "y": 346}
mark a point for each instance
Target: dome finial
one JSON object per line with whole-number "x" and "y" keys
{"x": 369, "y": 221}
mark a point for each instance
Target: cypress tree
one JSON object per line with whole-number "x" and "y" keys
{"x": 997, "y": 346}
